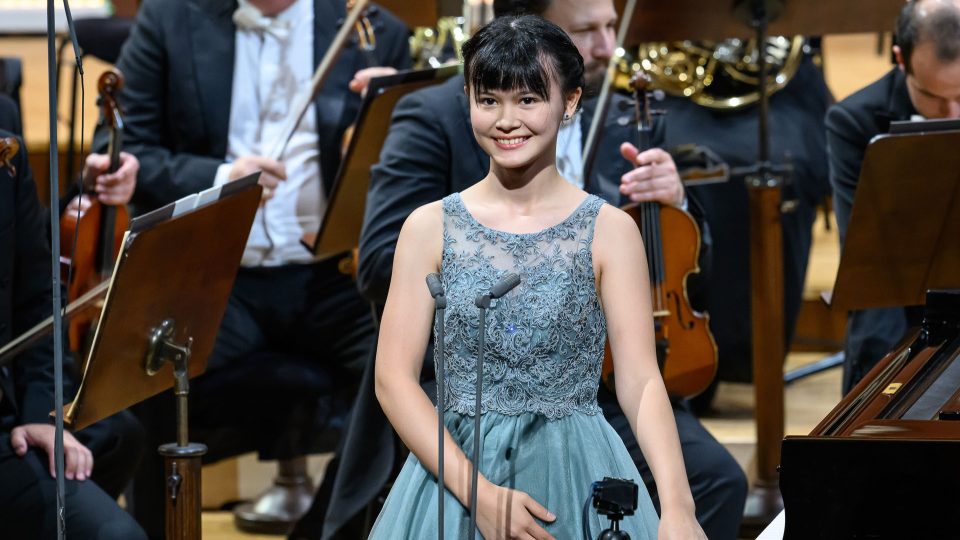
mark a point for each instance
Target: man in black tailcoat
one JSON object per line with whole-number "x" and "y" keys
{"x": 100, "y": 459}
{"x": 209, "y": 87}
{"x": 924, "y": 84}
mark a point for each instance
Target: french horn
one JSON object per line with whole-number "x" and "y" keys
{"x": 718, "y": 75}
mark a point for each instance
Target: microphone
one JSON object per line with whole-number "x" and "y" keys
{"x": 436, "y": 290}
{"x": 435, "y": 286}
{"x": 499, "y": 289}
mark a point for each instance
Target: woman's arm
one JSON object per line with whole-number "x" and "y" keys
{"x": 404, "y": 331}
{"x": 625, "y": 293}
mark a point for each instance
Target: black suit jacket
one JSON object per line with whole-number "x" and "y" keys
{"x": 850, "y": 126}
{"x": 178, "y": 66}
{"x": 430, "y": 152}
{"x": 25, "y": 296}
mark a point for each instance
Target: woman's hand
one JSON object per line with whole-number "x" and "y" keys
{"x": 680, "y": 526}
{"x": 506, "y": 514}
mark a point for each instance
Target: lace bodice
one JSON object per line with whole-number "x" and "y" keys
{"x": 544, "y": 339}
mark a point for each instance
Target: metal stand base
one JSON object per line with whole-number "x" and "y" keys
{"x": 832, "y": 361}
{"x": 280, "y": 506}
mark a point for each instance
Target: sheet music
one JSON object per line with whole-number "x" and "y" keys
{"x": 774, "y": 531}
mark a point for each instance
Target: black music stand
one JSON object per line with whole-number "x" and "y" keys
{"x": 655, "y": 20}
{"x": 904, "y": 232}
{"x": 340, "y": 229}
{"x": 168, "y": 293}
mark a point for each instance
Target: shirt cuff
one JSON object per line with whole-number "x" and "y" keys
{"x": 223, "y": 175}
{"x": 685, "y": 204}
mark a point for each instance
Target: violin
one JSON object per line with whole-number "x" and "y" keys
{"x": 98, "y": 229}
{"x": 686, "y": 350}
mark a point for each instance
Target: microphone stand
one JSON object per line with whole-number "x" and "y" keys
{"x": 55, "y": 257}
{"x": 440, "y": 303}
{"x": 483, "y": 303}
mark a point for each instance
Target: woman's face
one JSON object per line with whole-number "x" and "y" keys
{"x": 518, "y": 128}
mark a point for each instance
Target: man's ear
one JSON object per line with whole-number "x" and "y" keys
{"x": 898, "y": 56}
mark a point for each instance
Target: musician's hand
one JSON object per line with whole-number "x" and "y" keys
{"x": 361, "y": 79}
{"x": 78, "y": 460}
{"x": 112, "y": 188}
{"x": 81, "y": 202}
{"x": 680, "y": 526}
{"x": 273, "y": 172}
{"x": 654, "y": 177}
{"x": 505, "y": 514}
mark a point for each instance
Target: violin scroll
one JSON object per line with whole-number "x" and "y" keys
{"x": 109, "y": 85}
{"x": 9, "y": 146}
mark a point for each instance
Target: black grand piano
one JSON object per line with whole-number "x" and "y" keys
{"x": 885, "y": 463}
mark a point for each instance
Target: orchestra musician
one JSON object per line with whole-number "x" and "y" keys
{"x": 925, "y": 83}
{"x": 208, "y": 87}
{"x": 99, "y": 460}
{"x": 429, "y": 153}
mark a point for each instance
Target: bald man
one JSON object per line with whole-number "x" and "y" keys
{"x": 924, "y": 84}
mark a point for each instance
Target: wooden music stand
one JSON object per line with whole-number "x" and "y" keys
{"x": 161, "y": 316}
{"x": 414, "y": 14}
{"x": 655, "y": 20}
{"x": 340, "y": 229}
{"x": 714, "y": 21}
{"x": 904, "y": 232}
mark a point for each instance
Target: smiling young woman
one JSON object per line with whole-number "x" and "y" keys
{"x": 583, "y": 276}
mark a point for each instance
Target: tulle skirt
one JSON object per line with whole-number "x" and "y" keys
{"x": 555, "y": 461}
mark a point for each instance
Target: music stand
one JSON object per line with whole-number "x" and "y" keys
{"x": 903, "y": 234}
{"x": 655, "y": 20}
{"x": 340, "y": 228}
{"x": 168, "y": 293}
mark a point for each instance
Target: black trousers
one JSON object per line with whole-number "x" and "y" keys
{"x": 288, "y": 333}
{"x": 28, "y": 492}
{"x": 717, "y": 482}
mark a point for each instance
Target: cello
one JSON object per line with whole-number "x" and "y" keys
{"x": 95, "y": 233}
{"x": 686, "y": 350}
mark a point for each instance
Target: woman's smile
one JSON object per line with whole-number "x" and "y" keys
{"x": 511, "y": 143}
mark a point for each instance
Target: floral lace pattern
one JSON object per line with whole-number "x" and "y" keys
{"x": 544, "y": 339}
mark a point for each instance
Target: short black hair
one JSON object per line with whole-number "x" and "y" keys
{"x": 523, "y": 52}
{"x": 940, "y": 25}
{"x": 520, "y": 7}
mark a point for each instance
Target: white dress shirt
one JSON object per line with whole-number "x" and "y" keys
{"x": 570, "y": 151}
{"x": 272, "y": 66}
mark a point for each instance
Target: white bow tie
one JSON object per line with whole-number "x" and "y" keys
{"x": 248, "y": 17}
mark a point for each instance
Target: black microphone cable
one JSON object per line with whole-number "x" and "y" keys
{"x": 501, "y": 288}
{"x": 440, "y": 304}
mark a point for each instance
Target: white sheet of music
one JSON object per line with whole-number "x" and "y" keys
{"x": 774, "y": 531}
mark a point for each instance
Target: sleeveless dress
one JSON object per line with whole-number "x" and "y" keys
{"x": 542, "y": 430}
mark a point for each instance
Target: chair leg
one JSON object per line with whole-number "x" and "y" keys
{"x": 280, "y": 506}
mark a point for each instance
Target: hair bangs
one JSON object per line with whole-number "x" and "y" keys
{"x": 510, "y": 70}
{"x": 524, "y": 53}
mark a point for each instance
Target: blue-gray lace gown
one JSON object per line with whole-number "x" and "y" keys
{"x": 543, "y": 432}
